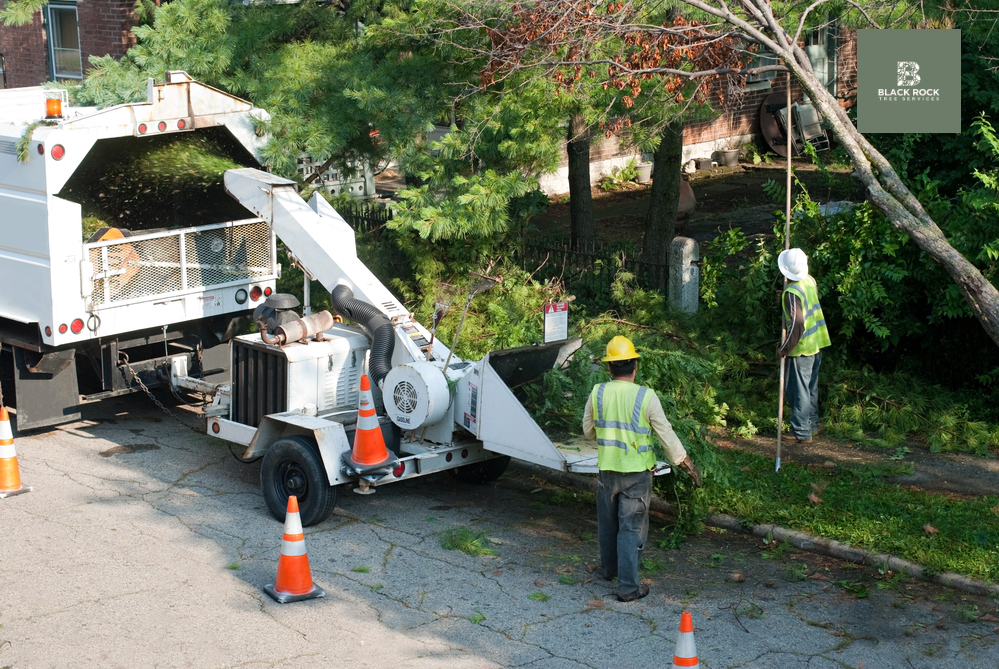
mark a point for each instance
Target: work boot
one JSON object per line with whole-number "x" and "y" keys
{"x": 802, "y": 441}
{"x": 643, "y": 590}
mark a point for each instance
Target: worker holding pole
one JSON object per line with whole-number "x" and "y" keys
{"x": 622, "y": 416}
{"x": 807, "y": 335}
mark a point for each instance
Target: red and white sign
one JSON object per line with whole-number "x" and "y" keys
{"x": 556, "y": 321}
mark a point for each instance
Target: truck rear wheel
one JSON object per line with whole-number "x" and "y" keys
{"x": 482, "y": 472}
{"x": 293, "y": 466}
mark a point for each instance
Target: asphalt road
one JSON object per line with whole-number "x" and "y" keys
{"x": 144, "y": 545}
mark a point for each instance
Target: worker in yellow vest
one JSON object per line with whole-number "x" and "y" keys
{"x": 807, "y": 335}
{"x": 622, "y": 416}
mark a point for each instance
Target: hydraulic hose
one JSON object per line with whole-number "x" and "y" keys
{"x": 376, "y": 324}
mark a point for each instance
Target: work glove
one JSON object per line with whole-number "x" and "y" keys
{"x": 688, "y": 466}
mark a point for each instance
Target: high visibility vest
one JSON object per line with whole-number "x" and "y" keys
{"x": 815, "y": 335}
{"x": 624, "y": 435}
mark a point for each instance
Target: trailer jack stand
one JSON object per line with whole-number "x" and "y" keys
{"x": 364, "y": 487}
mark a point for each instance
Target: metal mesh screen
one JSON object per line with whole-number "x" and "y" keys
{"x": 133, "y": 268}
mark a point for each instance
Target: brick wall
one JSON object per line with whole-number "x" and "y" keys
{"x": 105, "y": 28}
{"x": 846, "y": 67}
{"x": 742, "y": 117}
{"x": 24, "y": 54}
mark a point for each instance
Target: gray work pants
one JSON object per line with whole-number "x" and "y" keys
{"x": 623, "y": 525}
{"x": 802, "y": 380}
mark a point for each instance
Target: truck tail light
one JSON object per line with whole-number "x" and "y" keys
{"x": 268, "y": 291}
{"x": 142, "y": 128}
{"x": 398, "y": 471}
{"x": 181, "y": 124}
{"x": 255, "y": 293}
{"x": 76, "y": 326}
{"x": 58, "y": 152}
{"x": 161, "y": 126}
{"x": 48, "y": 330}
{"x": 41, "y": 149}
{"x": 241, "y": 296}
{"x": 63, "y": 329}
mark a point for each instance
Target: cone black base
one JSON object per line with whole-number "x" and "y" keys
{"x": 20, "y": 491}
{"x": 285, "y": 597}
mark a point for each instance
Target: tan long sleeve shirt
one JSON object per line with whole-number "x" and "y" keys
{"x": 675, "y": 451}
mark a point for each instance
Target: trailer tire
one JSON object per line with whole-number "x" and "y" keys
{"x": 482, "y": 472}
{"x": 293, "y": 466}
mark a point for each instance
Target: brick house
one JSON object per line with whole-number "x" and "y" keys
{"x": 833, "y": 52}
{"x": 57, "y": 44}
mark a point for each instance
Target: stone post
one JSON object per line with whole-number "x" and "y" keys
{"x": 683, "y": 288}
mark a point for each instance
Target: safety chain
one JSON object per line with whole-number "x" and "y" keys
{"x": 135, "y": 375}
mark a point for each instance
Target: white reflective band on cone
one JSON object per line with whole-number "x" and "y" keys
{"x": 7, "y": 451}
{"x": 293, "y": 548}
{"x": 368, "y": 422}
{"x": 293, "y": 523}
{"x": 5, "y": 433}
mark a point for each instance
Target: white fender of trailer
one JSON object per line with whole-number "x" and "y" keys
{"x": 329, "y": 435}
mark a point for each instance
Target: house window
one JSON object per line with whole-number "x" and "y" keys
{"x": 65, "y": 59}
{"x": 761, "y": 80}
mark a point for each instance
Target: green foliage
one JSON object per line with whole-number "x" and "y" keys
{"x": 619, "y": 176}
{"x": 538, "y": 597}
{"x": 465, "y": 540}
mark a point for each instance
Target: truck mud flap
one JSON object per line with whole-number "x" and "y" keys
{"x": 46, "y": 388}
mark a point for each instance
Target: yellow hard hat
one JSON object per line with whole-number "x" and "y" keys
{"x": 620, "y": 348}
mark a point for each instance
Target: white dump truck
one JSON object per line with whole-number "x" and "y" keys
{"x": 169, "y": 275}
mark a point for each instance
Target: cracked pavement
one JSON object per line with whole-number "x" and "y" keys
{"x": 144, "y": 545}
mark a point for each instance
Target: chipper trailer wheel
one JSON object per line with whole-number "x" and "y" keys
{"x": 482, "y": 472}
{"x": 293, "y": 466}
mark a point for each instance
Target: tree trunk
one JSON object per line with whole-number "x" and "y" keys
{"x": 660, "y": 221}
{"x": 582, "y": 228}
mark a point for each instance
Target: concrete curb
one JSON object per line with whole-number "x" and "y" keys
{"x": 800, "y": 540}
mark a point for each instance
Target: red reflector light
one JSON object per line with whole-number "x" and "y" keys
{"x": 181, "y": 124}
{"x": 76, "y": 326}
{"x": 58, "y": 151}
{"x": 63, "y": 329}
{"x": 41, "y": 150}
{"x": 400, "y": 468}
{"x": 48, "y": 331}
{"x": 268, "y": 291}
{"x": 449, "y": 457}
{"x": 142, "y": 128}
{"x": 464, "y": 453}
{"x": 215, "y": 428}
{"x": 161, "y": 126}
{"x": 255, "y": 293}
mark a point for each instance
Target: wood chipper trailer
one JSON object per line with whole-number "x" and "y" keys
{"x": 293, "y": 398}
{"x": 81, "y": 318}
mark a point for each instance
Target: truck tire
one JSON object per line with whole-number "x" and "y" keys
{"x": 482, "y": 472}
{"x": 293, "y": 466}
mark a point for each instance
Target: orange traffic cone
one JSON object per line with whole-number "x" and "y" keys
{"x": 685, "y": 653}
{"x": 10, "y": 475}
{"x": 294, "y": 578}
{"x": 369, "y": 451}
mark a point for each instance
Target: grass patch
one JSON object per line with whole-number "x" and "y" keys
{"x": 234, "y": 566}
{"x": 861, "y": 509}
{"x": 476, "y": 617}
{"x": 539, "y": 597}
{"x": 567, "y": 579}
{"x": 361, "y": 569}
{"x": 465, "y": 540}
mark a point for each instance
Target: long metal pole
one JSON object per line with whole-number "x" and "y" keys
{"x": 787, "y": 245}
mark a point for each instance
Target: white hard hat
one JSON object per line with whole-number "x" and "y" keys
{"x": 793, "y": 264}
